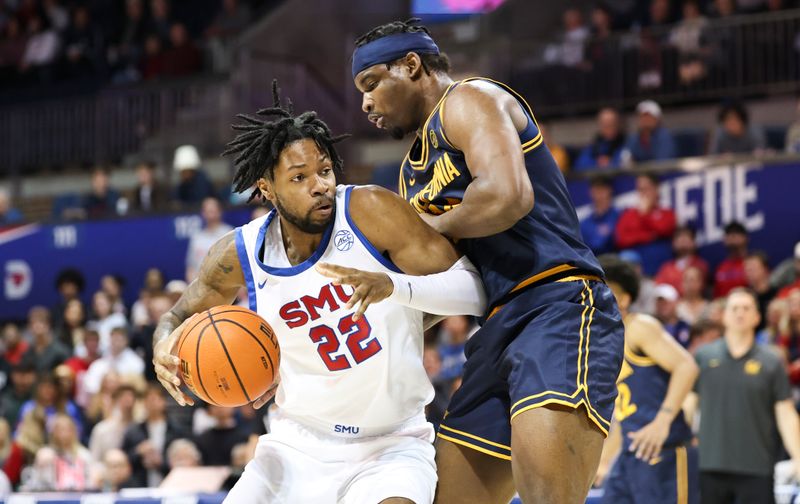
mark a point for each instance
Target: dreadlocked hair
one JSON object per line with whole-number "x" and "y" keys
{"x": 259, "y": 145}
{"x": 430, "y": 62}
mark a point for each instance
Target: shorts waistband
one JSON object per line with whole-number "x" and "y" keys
{"x": 325, "y": 430}
{"x": 569, "y": 275}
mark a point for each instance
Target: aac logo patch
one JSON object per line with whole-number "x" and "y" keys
{"x": 752, "y": 367}
{"x": 434, "y": 139}
{"x": 344, "y": 240}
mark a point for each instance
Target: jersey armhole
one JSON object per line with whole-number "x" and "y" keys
{"x": 386, "y": 262}
{"x": 244, "y": 260}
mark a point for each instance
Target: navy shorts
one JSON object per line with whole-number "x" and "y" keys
{"x": 556, "y": 343}
{"x": 672, "y": 478}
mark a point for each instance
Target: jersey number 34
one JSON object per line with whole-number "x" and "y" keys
{"x": 356, "y": 335}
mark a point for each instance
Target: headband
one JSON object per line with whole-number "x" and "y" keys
{"x": 390, "y": 48}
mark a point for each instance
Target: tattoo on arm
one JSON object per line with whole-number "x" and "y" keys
{"x": 225, "y": 269}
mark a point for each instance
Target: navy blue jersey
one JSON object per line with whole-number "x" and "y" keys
{"x": 544, "y": 245}
{"x": 642, "y": 386}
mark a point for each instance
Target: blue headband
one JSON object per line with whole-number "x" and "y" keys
{"x": 390, "y": 48}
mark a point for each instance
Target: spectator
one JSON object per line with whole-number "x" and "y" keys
{"x": 194, "y": 185}
{"x": 216, "y": 443}
{"x": 150, "y": 196}
{"x": 667, "y": 313}
{"x": 777, "y": 324}
{"x": 102, "y": 200}
{"x": 646, "y": 300}
{"x": 8, "y": 214}
{"x": 605, "y": 151}
{"x": 735, "y": 135}
{"x": 101, "y": 404}
{"x": 45, "y": 352}
{"x": 692, "y": 303}
{"x": 647, "y": 227}
{"x": 153, "y": 286}
{"x": 66, "y": 380}
{"x": 714, "y": 311}
{"x": 119, "y": 358}
{"x": 598, "y": 228}
{"x": 108, "y": 434}
{"x": 183, "y": 453}
{"x": 116, "y": 471}
{"x": 756, "y": 272}
{"x": 652, "y": 141}
{"x": 792, "y": 134}
{"x": 48, "y": 401}
{"x": 730, "y": 272}
{"x": 83, "y": 45}
{"x": 182, "y": 58}
{"x": 558, "y": 152}
{"x": 73, "y": 462}
{"x": 69, "y": 284}
{"x": 146, "y": 443}
{"x": 72, "y": 328}
{"x": 105, "y": 320}
{"x": 12, "y": 49}
{"x": 688, "y": 38}
{"x": 142, "y": 340}
{"x": 152, "y": 65}
{"x": 200, "y": 242}
{"x": 15, "y": 346}
{"x": 86, "y": 352}
{"x": 722, "y": 8}
{"x": 5, "y": 443}
{"x": 125, "y": 53}
{"x": 23, "y": 379}
{"x": 113, "y": 286}
{"x": 57, "y": 15}
{"x": 702, "y": 333}
{"x": 569, "y": 52}
{"x": 40, "y": 51}
{"x": 160, "y": 19}
{"x": 684, "y": 248}
{"x": 744, "y": 395}
{"x": 794, "y": 267}
{"x": 230, "y": 21}
{"x": 454, "y": 334}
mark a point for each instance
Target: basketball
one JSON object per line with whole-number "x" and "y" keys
{"x": 229, "y": 356}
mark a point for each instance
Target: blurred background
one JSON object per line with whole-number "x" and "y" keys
{"x": 113, "y": 115}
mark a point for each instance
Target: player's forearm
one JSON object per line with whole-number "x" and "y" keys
{"x": 484, "y": 211}
{"x": 166, "y": 324}
{"x": 680, "y": 385}
{"x": 457, "y": 291}
{"x": 789, "y": 428}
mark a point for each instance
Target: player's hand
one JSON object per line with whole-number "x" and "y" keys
{"x": 600, "y": 477}
{"x": 369, "y": 287}
{"x": 166, "y": 361}
{"x": 648, "y": 440}
{"x": 268, "y": 395}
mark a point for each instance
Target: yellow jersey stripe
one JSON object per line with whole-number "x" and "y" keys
{"x": 548, "y": 392}
{"x": 682, "y": 472}
{"x": 474, "y": 447}
{"x": 473, "y": 436}
{"x": 424, "y": 157}
{"x": 638, "y": 360}
{"x": 580, "y": 335}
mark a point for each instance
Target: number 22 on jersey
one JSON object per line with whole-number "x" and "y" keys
{"x": 357, "y": 335}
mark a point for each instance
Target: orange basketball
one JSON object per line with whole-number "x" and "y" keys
{"x": 229, "y": 355}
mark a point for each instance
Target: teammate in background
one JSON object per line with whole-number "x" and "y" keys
{"x": 350, "y": 424}
{"x": 540, "y": 378}
{"x": 656, "y": 463}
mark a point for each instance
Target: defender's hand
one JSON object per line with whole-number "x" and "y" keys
{"x": 369, "y": 287}
{"x": 165, "y": 361}
{"x": 648, "y": 440}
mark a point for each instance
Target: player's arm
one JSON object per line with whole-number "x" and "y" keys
{"x": 218, "y": 282}
{"x": 435, "y": 279}
{"x": 789, "y": 429}
{"x": 478, "y": 122}
{"x": 645, "y": 335}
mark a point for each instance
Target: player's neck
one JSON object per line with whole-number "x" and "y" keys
{"x": 433, "y": 88}
{"x": 298, "y": 244}
{"x": 739, "y": 342}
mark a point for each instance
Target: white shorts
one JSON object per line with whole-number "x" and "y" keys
{"x": 294, "y": 464}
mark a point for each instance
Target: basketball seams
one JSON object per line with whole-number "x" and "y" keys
{"x": 245, "y": 329}
{"x": 228, "y": 355}
{"x": 197, "y": 363}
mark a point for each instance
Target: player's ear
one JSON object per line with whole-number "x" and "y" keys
{"x": 413, "y": 65}
{"x": 266, "y": 188}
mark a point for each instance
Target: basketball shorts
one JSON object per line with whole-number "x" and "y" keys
{"x": 672, "y": 478}
{"x": 557, "y": 343}
{"x": 295, "y": 464}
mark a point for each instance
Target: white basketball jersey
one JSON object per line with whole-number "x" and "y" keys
{"x": 348, "y": 378}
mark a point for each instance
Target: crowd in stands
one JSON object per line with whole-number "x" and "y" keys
{"x": 47, "y": 41}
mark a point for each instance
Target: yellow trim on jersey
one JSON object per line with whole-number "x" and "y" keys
{"x": 441, "y": 130}
{"x": 541, "y": 276}
{"x": 548, "y": 392}
{"x": 580, "y": 335}
{"x": 538, "y": 140}
{"x": 474, "y": 447}
{"x": 579, "y": 278}
{"x": 401, "y": 183}
{"x": 473, "y": 436}
{"x": 586, "y": 358}
{"x": 583, "y": 402}
{"x": 638, "y": 360}
{"x": 526, "y": 147}
{"x": 682, "y": 473}
{"x": 424, "y": 156}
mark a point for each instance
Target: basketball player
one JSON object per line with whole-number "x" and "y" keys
{"x": 656, "y": 463}
{"x": 540, "y": 378}
{"x": 350, "y": 424}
